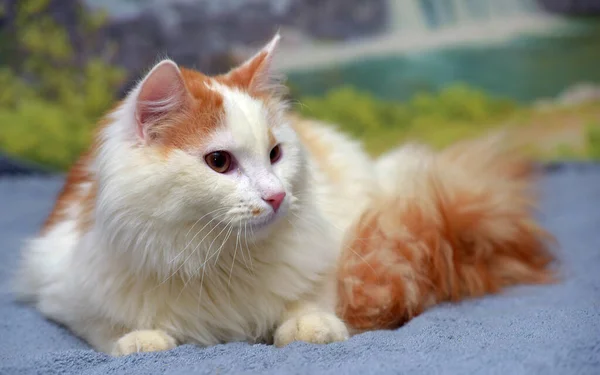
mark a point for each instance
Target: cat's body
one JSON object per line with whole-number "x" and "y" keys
{"x": 205, "y": 213}
{"x": 148, "y": 247}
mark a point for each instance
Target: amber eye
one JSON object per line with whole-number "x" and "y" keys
{"x": 275, "y": 154}
{"x": 219, "y": 161}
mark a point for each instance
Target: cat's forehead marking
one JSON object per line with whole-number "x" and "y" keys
{"x": 219, "y": 106}
{"x": 245, "y": 117}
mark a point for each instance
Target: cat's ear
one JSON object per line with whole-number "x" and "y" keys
{"x": 256, "y": 74}
{"x": 162, "y": 93}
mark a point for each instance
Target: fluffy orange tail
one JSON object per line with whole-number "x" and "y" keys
{"x": 449, "y": 226}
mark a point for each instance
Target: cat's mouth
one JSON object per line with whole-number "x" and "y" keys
{"x": 267, "y": 220}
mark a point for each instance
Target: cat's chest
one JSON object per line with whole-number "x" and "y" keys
{"x": 223, "y": 307}
{"x": 235, "y": 296}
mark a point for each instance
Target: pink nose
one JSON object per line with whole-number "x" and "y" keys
{"x": 275, "y": 200}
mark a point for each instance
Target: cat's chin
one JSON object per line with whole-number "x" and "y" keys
{"x": 261, "y": 226}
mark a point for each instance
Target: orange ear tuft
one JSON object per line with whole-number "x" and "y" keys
{"x": 255, "y": 74}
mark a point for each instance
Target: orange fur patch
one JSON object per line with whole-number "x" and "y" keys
{"x": 470, "y": 232}
{"x": 71, "y": 193}
{"x": 189, "y": 128}
{"x": 255, "y": 78}
{"x": 79, "y": 174}
{"x": 243, "y": 77}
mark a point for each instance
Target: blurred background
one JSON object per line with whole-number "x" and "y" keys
{"x": 384, "y": 70}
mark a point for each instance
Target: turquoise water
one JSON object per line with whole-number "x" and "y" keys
{"x": 525, "y": 69}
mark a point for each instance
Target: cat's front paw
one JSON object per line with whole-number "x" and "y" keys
{"x": 314, "y": 327}
{"x": 143, "y": 341}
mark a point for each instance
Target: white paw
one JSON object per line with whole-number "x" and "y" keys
{"x": 143, "y": 341}
{"x": 315, "y": 328}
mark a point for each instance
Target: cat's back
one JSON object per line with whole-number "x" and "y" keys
{"x": 78, "y": 188}
{"x": 46, "y": 254}
{"x": 343, "y": 171}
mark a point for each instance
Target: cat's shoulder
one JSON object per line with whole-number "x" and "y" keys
{"x": 78, "y": 187}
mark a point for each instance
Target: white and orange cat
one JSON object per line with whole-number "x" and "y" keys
{"x": 205, "y": 213}
{"x": 202, "y": 214}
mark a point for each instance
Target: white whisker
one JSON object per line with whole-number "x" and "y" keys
{"x": 193, "y": 238}
{"x": 237, "y": 239}
{"x": 207, "y": 258}
{"x": 192, "y": 253}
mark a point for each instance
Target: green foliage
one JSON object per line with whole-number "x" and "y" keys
{"x": 565, "y": 152}
{"x": 593, "y": 140}
{"x": 443, "y": 117}
{"x": 54, "y": 91}
{"x": 459, "y": 103}
{"x": 359, "y": 112}
{"x": 51, "y": 96}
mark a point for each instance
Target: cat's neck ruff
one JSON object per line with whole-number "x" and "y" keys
{"x": 151, "y": 245}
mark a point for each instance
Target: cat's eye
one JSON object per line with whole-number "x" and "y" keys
{"x": 219, "y": 161}
{"x": 275, "y": 154}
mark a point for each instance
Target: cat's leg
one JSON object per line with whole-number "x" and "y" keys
{"x": 312, "y": 317}
{"x": 151, "y": 340}
{"x": 312, "y": 320}
{"x": 309, "y": 323}
{"x": 119, "y": 341}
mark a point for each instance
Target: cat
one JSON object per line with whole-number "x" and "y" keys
{"x": 203, "y": 213}
{"x": 206, "y": 212}
{"x": 447, "y": 225}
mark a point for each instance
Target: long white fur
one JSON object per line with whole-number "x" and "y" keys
{"x": 171, "y": 256}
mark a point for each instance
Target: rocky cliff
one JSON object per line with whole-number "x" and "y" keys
{"x": 202, "y": 33}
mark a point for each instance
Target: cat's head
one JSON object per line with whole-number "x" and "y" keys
{"x": 184, "y": 146}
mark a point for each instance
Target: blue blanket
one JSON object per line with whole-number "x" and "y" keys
{"x": 527, "y": 330}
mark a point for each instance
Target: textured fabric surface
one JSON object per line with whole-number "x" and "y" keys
{"x": 527, "y": 330}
